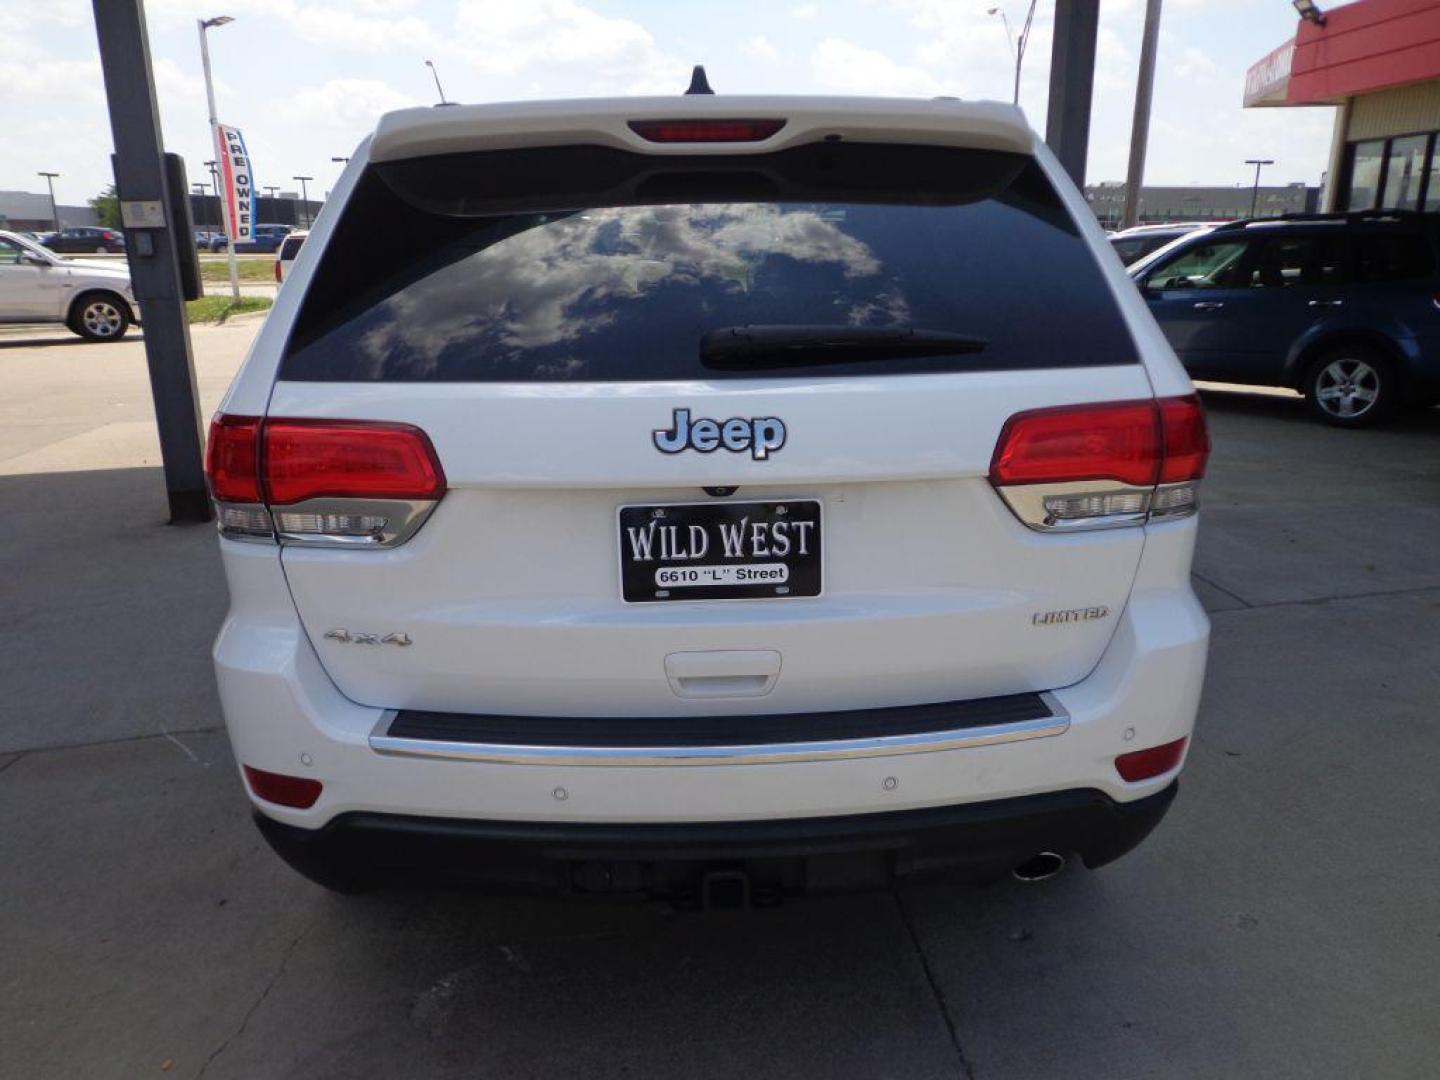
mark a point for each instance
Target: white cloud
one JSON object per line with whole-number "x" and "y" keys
{"x": 762, "y": 48}
{"x": 349, "y": 103}
{"x": 1195, "y": 64}
{"x": 849, "y": 68}
{"x": 506, "y": 38}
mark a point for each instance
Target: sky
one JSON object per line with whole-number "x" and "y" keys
{"x": 306, "y": 80}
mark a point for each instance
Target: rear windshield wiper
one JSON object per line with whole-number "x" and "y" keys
{"x": 779, "y": 345}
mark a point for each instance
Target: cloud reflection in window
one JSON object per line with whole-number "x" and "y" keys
{"x": 573, "y": 275}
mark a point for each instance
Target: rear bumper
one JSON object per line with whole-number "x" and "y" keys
{"x": 767, "y": 857}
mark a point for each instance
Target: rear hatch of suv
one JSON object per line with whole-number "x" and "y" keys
{"x": 716, "y": 427}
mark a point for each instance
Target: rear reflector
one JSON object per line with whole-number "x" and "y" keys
{"x": 231, "y": 459}
{"x": 1146, "y": 764}
{"x": 282, "y": 790}
{"x": 348, "y": 459}
{"x": 705, "y": 131}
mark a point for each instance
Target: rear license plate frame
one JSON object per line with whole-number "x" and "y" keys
{"x": 803, "y": 572}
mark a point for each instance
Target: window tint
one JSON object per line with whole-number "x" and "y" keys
{"x": 1300, "y": 259}
{"x": 1211, "y": 265}
{"x": 1395, "y": 256}
{"x": 588, "y": 264}
{"x": 9, "y": 253}
{"x": 291, "y": 247}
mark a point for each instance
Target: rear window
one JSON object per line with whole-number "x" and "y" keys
{"x": 1395, "y": 256}
{"x": 593, "y": 264}
{"x": 291, "y": 247}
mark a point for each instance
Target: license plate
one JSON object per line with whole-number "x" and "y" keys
{"x": 720, "y": 551}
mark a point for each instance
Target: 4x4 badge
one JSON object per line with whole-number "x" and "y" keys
{"x": 761, "y": 435}
{"x": 355, "y": 637}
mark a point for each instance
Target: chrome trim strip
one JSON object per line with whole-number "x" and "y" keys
{"x": 761, "y": 754}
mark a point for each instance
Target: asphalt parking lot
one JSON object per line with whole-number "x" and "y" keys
{"x": 1283, "y": 922}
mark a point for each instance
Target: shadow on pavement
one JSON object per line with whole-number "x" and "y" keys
{"x": 109, "y": 611}
{"x": 8, "y": 341}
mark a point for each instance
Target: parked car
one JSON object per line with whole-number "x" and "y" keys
{"x": 36, "y": 286}
{"x": 267, "y": 239}
{"x": 286, "y": 252}
{"x": 1134, "y": 244}
{"x": 673, "y": 504}
{"x": 1341, "y": 307}
{"x": 86, "y": 240}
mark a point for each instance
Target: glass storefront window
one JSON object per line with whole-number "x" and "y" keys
{"x": 1365, "y": 174}
{"x": 1406, "y": 168}
{"x": 1432, "y": 194}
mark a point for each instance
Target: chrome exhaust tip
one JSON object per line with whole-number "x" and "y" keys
{"x": 1040, "y": 867}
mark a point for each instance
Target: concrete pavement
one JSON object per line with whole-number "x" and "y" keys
{"x": 1281, "y": 923}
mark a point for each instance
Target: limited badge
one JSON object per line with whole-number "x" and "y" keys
{"x": 1069, "y": 615}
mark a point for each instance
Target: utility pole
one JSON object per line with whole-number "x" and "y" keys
{"x": 204, "y": 25}
{"x": 1072, "y": 84}
{"x": 1140, "y": 127}
{"x": 54, "y": 213}
{"x": 1255, "y": 190}
{"x": 152, "y": 247}
{"x": 304, "y": 197}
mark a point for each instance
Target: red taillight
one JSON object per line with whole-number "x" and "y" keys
{"x": 1187, "y": 443}
{"x": 278, "y": 277}
{"x": 282, "y": 790}
{"x": 1102, "y": 466}
{"x": 1146, "y": 764}
{"x": 231, "y": 460}
{"x": 348, "y": 459}
{"x": 358, "y": 482}
{"x": 1119, "y": 441}
{"x": 705, "y": 131}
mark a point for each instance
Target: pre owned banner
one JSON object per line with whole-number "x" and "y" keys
{"x": 239, "y": 182}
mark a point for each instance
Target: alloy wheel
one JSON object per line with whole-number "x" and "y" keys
{"x": 1347, "y": 388}
{"x": 102, "y": 318}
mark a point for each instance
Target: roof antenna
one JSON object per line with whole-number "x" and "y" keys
{"x": 698, "y": 83}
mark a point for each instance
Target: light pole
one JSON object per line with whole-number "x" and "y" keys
{"x": 271, "y": 190}
{"x": 204, "y": 25}
{"x": 1140, "y": 125}
{"x": 54, "y": 213}
{"x": 431, "y": 65}
{"x": 1017, "y": 46}
{"x": 304, "y": 197}
{"x": 1259, "y": 163}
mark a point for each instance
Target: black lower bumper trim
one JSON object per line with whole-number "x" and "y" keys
{"x": 362, "y": 850}
{"x": 717, "y": 730}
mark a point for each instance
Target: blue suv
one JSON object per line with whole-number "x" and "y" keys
{"x": 1344, "y": 308}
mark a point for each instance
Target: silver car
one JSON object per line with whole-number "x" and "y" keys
{"x": 95, "y": 300}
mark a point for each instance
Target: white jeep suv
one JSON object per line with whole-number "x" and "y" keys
{"x": 693, "y": 494}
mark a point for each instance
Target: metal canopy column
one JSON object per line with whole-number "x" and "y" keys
{"x": 1072, "y": 83}
{"x": 153, "y": 254}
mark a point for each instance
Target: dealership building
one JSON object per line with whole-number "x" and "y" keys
{"x": 1378, "y": 63}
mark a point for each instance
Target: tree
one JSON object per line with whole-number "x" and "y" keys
{"x": 107, "y": 208}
